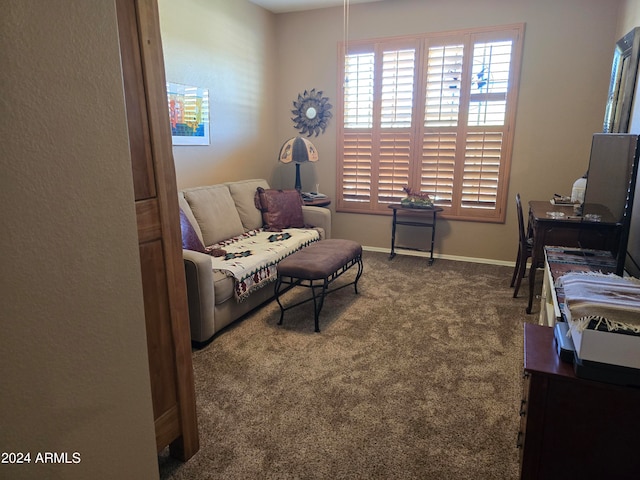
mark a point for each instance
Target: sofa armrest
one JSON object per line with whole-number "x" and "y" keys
{"x": 200, "y": 294}
{"x": 318, "y": 217}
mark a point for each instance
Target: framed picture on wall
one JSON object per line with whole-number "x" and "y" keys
{"x": 188, "y": 114}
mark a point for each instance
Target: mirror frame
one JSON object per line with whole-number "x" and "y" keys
{"x": 308, "y": 123}
{"x": 624, "y": 70}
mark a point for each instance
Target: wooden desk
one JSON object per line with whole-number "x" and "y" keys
{"x": 571, "y": 427}
{"x": 567, "y": 231}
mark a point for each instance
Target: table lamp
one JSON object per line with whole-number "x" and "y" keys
{"x": 298, "y": 150}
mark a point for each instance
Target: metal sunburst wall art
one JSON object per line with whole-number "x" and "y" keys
{"x": 311, "y": 112}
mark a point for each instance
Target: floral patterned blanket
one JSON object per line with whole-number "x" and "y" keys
{"x": 251, "y": 258}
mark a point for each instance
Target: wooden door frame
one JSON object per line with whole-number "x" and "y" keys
{"x": 157, "y": 204}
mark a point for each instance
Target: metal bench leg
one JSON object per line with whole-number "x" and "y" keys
{"x": 358, "y": 275}
{"x": 277, "y": 293}
{"x": 318, "y": 302}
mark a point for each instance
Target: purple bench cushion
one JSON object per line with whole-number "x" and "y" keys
{"x": 320, "y": 259}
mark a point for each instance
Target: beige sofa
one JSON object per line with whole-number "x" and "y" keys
{"x": 217, "y": 213}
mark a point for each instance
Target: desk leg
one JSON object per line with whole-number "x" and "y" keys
{"x": 433, "y": 238}
{"x": 393, "y": 236}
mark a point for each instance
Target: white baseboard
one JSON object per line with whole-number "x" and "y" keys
{"x": 457, "y": 258}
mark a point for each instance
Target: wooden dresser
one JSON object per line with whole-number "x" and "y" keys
{"x": 573, "y": 428}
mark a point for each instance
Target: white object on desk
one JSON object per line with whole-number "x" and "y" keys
{"x": 612, "y": 348}
{"x": 578, "y": 190}
{"x": 563, "y": 201}
{"x": 555, "y": 214}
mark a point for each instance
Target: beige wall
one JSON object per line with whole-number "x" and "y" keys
{"x": 628, "y": 16}
{"x": 227, "y": 47}
{"x": 567, "y": 59}
{"x": 73, "y": 360}
{"x": 256, "y": 63}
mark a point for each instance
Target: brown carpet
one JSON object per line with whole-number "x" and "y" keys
{"x": 416, "y": 377}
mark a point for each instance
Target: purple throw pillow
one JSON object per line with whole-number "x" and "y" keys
{"x": 280, "y": 208}
{"x": 190, "y": 239}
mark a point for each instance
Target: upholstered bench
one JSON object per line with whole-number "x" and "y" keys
{"x": 315, "y": 267}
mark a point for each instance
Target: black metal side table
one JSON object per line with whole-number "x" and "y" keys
{"x": 430, "y": 222}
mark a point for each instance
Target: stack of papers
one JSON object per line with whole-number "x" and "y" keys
{"x": 313, "y": 195}
{"x": 562, "y": 201}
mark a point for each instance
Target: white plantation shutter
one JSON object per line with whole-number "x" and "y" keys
{"x": 394, "y": 165}
{"x": 397, "y": 88}
{"x": 438, "y": 166}
{"x": 396, "y": 112}
{"x": 482, "y": 162}
{"x": 434, "y": 112}
{"x": 484, "y": 155}
{"x": 358, "y": 91}
{"x": 444, "y": 77}
{"x": 489, "y": 83}
{"x": 354, "y": 185}
{"x": 356, "y": 168}
{"x": 442, "y": 108}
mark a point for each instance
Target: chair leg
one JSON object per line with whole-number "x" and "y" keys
{"x": 516, "y": 269}
{"x": 522, "y": 267}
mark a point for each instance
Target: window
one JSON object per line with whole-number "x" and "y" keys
{"x": 435, "y": 112}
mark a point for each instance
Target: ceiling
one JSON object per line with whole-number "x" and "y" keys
{"x": 283, "y": 6}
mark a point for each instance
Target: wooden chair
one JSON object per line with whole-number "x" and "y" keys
{"x": 525, "y": 246}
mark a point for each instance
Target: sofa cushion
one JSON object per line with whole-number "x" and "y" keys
{"x": 224, "y": 287}
{"x": 215, "y": 212}
{"x": 243, "y": 193}
{"x": 280, "y": 208}
{"x": 190, "y": 239}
